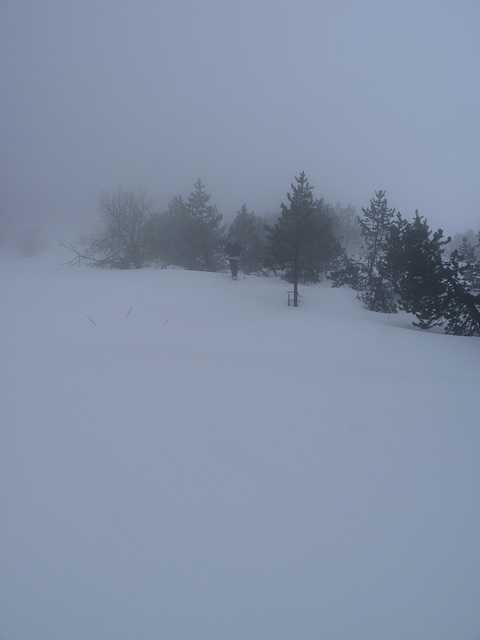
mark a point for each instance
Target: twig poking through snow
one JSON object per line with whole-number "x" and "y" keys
{"x": 128, "y": 312}
{"x": 94, "y": 323}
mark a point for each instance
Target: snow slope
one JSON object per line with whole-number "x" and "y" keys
{"x": 205, "y": 462}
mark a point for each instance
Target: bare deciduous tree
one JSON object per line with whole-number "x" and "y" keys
{"x": 119, "y": 243}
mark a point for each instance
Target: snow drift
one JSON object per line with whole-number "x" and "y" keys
{"x": 187, "y": 457}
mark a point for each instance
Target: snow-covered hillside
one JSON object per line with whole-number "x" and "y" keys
{"x": 186, "y": 457}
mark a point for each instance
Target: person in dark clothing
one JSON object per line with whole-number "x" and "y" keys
{"x": 233, "y": 250}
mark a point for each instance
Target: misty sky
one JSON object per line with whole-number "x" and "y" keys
{"x": 360, "y": 94}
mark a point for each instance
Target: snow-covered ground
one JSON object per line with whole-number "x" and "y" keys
{"x": 186, "y": 457}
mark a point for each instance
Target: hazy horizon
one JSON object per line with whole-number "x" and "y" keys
{"x": 360, "y": 95}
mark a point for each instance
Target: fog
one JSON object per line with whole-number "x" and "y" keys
{"x": 361, "y": 95}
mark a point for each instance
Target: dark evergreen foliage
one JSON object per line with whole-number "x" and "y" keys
{"x": 367, "y": 272}
{"x": 187, "y": 234}
{"x": 347, "y": 271}
{"x": 301, "y": 243}
{"x": 165, "y": 235}
{"x": 376, "y": 290}
{"x": 378, "y": 295}
{"x": 462, "y": 307}
{"x": 415, "y": 261}
{"x": 249, "y": 229}
{"x": 438, "y": 292}
{"x": 374, "y": 230}
{"x": 324, "y": 246}
{"x": 203, "y": 233}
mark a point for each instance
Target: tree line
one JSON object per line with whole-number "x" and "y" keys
{"x": 391, "y": 262}
{"x": 190, "y": 233}
{"x": 403, "y": 265}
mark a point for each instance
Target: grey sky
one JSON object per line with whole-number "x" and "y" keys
{"x": 361, "y": 94}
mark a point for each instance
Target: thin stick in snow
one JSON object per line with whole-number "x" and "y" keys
{"x": 91, "y": 320}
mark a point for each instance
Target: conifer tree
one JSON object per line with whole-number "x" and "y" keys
{"x": 166, "y": 234}
{"x": 414, "y": 258}
{"x": 438, "y": 292}
{"x": 249, "y": 229}
{"x": 203, "y": 232}
{"x": 291, "y": 234}
{"x": 374, "y": 228}
{"x": 301, "y": 242}
{"x": 324, "y": 246}
{"x": 466, "y": 250}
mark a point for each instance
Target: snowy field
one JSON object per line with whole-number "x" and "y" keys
{"x": 184, "y": 457}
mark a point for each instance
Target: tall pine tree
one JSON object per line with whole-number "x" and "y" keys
{"x": 301, "y": 242}
{"x": 249, "y": 229}
{"x": 291, "y": 235}
{"x": 374, "y": 229}
{"x": 203, "y": 232}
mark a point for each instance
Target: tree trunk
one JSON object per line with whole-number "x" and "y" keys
{"x": 295, "y": 273}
